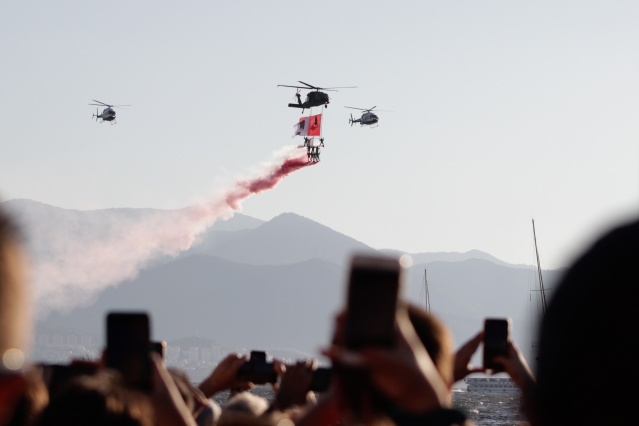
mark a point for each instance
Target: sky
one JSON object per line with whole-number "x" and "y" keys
{"x": 496, "y": 113}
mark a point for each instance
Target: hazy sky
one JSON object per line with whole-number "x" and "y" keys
{"x": 502, "y": 111}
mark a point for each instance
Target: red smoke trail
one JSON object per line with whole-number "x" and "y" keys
{"x": 113, "y": 249}
{"x": 262, "y": 183}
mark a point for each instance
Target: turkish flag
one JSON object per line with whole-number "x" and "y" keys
{"x": 315, "y": 125}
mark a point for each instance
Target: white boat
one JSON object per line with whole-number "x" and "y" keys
{"x": 490, "y": 384}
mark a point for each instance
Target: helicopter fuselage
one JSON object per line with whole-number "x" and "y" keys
{"x": 368, "y": 118}
{"x": 313, "y": 99}
{"x": 108, "y": 114}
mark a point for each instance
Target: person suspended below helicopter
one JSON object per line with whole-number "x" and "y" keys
{"x": 313, "y": 153}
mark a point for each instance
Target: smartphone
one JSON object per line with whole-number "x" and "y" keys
{"x": 257, "y": 370}
{"x": 372, "y": 301}
{"x": 321, "y": 379}
{"x": 128, "y": 347}
{"x": 496, "y": 335}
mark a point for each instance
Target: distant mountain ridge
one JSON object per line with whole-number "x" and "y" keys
{"x": 241, "y": 238}
{"x": 449, "y": 256}
{"x": 248, "y": 283}
{"x": 287, "y": 238}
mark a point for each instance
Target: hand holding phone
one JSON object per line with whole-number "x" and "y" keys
{"x": 496, "y": 336}
{"x": 257, "y": 370}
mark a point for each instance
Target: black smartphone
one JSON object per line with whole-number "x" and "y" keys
{"x": 257, "y": 369}
{"x": 372, "y": 301}
{"x": 128, "y": 347}
{"x": 321, "y": 379}
{"x": 496, "y": 335}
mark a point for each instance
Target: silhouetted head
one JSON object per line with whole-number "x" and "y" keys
{"x": 436, "y": 338}
{"x": 99, "y": 400}
{"x": 588, "y": 355}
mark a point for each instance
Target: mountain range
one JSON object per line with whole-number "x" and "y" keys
{"x": 277, "y": 284}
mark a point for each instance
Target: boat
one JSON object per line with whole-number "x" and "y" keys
{"x": 490, "y": 384}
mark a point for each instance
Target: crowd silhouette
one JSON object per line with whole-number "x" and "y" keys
{"x": 586, "y": 369}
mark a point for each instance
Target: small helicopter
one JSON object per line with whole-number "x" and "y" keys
{"x": 108, "y": 113}
{"x": 368, "y": 118}
{"x": 313, "y": 98}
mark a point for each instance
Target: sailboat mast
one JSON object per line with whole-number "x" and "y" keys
{"x": 426, "y": 295}
{"x": 541, "y": 281}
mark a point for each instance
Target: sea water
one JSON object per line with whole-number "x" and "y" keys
{"x": 485, "y": 409}
{"x": 491, "y": 408}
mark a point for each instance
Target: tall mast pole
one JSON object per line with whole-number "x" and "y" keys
{"x": 426, "y": 295}
{"x": 541, "y": 281}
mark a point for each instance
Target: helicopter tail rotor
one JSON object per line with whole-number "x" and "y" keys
{"x": 350, "y": 120}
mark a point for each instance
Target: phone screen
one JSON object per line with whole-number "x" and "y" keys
{"x": 496, "y": 334}
{"x": 372, "y": 302}
{"x": 128, "y": 347}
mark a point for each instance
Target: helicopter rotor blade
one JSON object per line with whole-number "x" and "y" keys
{"x": 369, "y": 109}
{"x": 101, "y": 103}
{"x": 328, "y": 88}
{"x": 312, "y": 87}
{"x": 296, "y": 87}
{"x": 339, "y": 87}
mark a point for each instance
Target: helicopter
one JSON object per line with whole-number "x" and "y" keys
{"x": 108, "y": 113}
{"x": 313, "y": 98}
{"x": 368, "y": 117}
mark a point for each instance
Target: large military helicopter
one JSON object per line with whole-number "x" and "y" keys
{"x": 313, "y": 98}
{"x": 108, "y": 113}
{"x": 368, "y": 117}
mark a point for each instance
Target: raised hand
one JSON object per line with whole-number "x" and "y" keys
{"x": 463, "y": 355}
{"x": 516, "y": 366}
{"x": 224, "y": 376}
{"x": 404, "y": 373}
{"x": 295, "y": 385}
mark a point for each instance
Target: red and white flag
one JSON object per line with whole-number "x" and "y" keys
{"x": 309, "y": 126}
{"x": 315, "y": 125}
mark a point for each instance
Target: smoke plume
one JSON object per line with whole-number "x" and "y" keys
{"x": 109, "y": 249}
